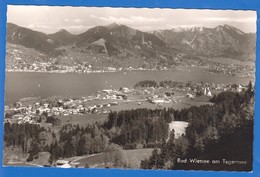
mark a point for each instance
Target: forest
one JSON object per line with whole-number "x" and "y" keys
{"x": 222, "y": 130}
{"x": 165, "y": 84}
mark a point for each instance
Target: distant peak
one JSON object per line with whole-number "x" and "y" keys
{"x": 63, "y": 31}
{"x": 112, "y": 25}
{"x": 224, "y": 26}
{"x": 229, "y": 27}
{"x": 219, "y": 27}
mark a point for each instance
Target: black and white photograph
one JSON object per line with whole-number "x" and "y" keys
{"x": 129, "y": 88}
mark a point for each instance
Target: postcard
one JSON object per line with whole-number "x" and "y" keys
{"x": 129, "y": 88}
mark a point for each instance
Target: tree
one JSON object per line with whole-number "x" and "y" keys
{"x": 181, "y": 146}
{"x": 156, "y": 161}
{"x": 115, "y": 157}
{"x": 199, "y": 144}
{"x": 81, "y": 146}
{"x": 34, "y": 147}
{"x": 86, "y": 165}
{"x": 250, "y": 87}
{"x": 51, "y": 160}
{"x": 69, "y": 149}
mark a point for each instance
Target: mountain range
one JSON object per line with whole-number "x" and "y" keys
{"x": 222, "y": 41}
{"x": 120, "y": 42}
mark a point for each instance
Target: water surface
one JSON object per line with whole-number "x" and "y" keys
{"x": 22, "y": 84}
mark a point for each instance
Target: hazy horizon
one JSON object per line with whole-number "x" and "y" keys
{"x": 80, "y": 19}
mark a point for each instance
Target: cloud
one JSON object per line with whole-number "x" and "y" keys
{"x": 79, "y": 27}
{"x": 227, "y": 19}
{"x": 50, "y": 18}
{"x": 77, "y": 20}
{"x": 39, "y": 26}
{"x": 132, "y": 19}
{"x": 170, "y": 26}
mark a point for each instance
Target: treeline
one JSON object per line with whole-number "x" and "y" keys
{"x": 221, "y": 131}
{"x": 76, "y": 140}
{"x": 70, "y": 141}
{"x": 131, "y": 129}
{"x": 73, "y": 140}
{"x": 212, "y": 130}
{"x": 166, "y": 84}
{"x": 140, "y": 127}
{"x": 21, "y": 135}
{"x": 146, "y": 83}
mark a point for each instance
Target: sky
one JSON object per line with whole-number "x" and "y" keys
{"x": 50, "y": 19}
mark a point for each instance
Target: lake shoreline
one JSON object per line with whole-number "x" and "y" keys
{"x": 178, "y": 68}
{"x": 33, "y": 84}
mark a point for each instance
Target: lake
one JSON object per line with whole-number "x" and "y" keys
{"x": 26, "y": 84}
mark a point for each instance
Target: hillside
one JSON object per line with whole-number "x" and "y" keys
{"x": 222, "y": 41}
{"x": 63, "y": 37}
{"x": 31, "y": 39}
{"x": 118, "y": 46}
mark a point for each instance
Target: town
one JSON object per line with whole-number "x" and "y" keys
{"x": 21, "y": 60}
{"x": 231, "y": 70}
{"x": 174, "y": 94}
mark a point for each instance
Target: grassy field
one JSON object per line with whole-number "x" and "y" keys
{"x": 134, "y": 158}
{"x": 181, "y": 103}
{"x": 13, "y": 155}
{"x": 133, "y": 105}
{"x": 83, "y": 119}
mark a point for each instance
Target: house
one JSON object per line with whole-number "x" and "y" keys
{"x": 125, "y": 90}
{"x": 240, "y": 88}
{"x": 157, "y": 101}
{"x": 63, "y": 164}
{"x": 18, "y": 104}
{"x": 121, "y": 96}
{"x": 207, "y": 92}
{"x": 7, "y": 108}
{"x": 189, "y": 95}
{"x": 106, "y": 105}
{"x": 46, "y": 105}
{"x": 108, "y": 91}
{"x": 114, "y": 103}
{"x": 17, "y": 116}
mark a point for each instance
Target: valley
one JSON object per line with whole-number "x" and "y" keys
{"x": 118, "y": 97}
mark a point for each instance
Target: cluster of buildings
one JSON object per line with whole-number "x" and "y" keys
{"x": 19, "y": 60}
{"x": 24, "y": 112}
{"x": 56, "y": 68}
{"x": 166, "y": 95}
{"x": 232, "y": 69}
